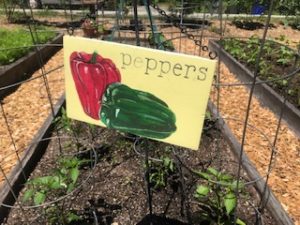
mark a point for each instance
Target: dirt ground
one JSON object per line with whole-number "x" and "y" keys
{"x": 116, "y": 189}
{"x": 27, "y": 108}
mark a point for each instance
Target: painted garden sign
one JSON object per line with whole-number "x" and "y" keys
{"x": 149, "y": 93}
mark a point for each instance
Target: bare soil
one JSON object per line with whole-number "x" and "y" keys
{"x": 116, "y": 191}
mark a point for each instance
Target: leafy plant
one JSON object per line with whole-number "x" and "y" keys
{"x": 285, "y": 55}
{"x": 160, "y": 171}
{"x": 159, "y": 40}
{"x": 18, "y": 42}
{"x": 59, "y": 182}
{"x": 233, "y": 46}
{"x": 216, "y": 197}
{"x": 63, "y": 122}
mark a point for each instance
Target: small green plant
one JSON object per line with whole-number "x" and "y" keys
{"x": 160, "y": 40}
{"x": 233, "y": 46}
{"x": 160, "y": 171}
{"x": 59, "y": 182}
{"x": 216, "y": 197}
{"x": 63, "y": 122}
{"x": 285, "y": 55}
{"x": 252, "y": 47}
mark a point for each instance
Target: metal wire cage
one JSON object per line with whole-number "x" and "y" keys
{"x": 236, "y": 113}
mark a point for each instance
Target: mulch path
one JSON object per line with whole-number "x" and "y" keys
{"x": 26, "y": 110}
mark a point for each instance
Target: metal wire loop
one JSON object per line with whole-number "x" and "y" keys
{"x": 204, "y": 48}
{"x": 197, "y": 42}
{"x": 212, "y": 55}
{"x": 191, "y": 36}
{"x": 183, "y": 29}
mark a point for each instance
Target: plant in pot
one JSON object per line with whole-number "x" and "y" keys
{"x": 90, "y": 28}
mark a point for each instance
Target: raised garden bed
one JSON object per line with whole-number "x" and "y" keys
{"x": 275, "y": 83}
{"x": 25, "y": 66}
{"x": 116, "y": 191}
{"x": 121, "y": 195}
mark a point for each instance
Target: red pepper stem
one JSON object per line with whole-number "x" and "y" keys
{"x": 94, "y": 58}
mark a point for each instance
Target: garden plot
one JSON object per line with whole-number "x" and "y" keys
{"x": 115, "y": 191}
{"x": 229, "y": 102}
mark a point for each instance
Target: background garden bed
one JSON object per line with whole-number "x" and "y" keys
{"x": 264, "y": 92}
{"x": 25, "y": 66}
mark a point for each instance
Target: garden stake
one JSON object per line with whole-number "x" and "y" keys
{"x": 185, "y": 209}
{"x": 136, "y": 23}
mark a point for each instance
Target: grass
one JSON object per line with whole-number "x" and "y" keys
{"x": 16, "y": 43}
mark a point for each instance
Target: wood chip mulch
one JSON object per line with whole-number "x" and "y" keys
{"x": 26, "y": 110}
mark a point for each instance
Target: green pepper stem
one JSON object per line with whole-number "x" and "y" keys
{"x": 94, "y": 58}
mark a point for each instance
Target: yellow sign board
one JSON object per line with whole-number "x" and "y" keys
{"x": 151, "y": 93}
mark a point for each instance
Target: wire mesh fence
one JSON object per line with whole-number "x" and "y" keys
{"x": 96, "y": 176}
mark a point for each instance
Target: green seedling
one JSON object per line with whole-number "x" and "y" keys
{"x": 216, "y": 197}
{"x": 160, "y": 40}
{"x": 60, "y": 182}
{"x": 285, "y": 56}
{"x": 160, "y": 171}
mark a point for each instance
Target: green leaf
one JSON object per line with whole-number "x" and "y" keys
{"x": 213, "y": 171}
{"x": 39, "y": 198}
{"x": 74, "y": 173}
{"x": 233, "y": 185}
{"x": 225, "y": 177}
{"x": 230, "y": 202}
{"x": 72, "y": 217}
{"x": 202, "y": 190}
{"x": 70, "y": 187}
{"x": 27, "y": 195}
{"x": 166, "y": 161}
{"x": 55, "y": 183}
{"x": 203, "y": 175}
{"x": 240, "y": 222}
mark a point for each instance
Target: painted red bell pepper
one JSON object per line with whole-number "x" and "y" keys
{"x": 92, "y": 74}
